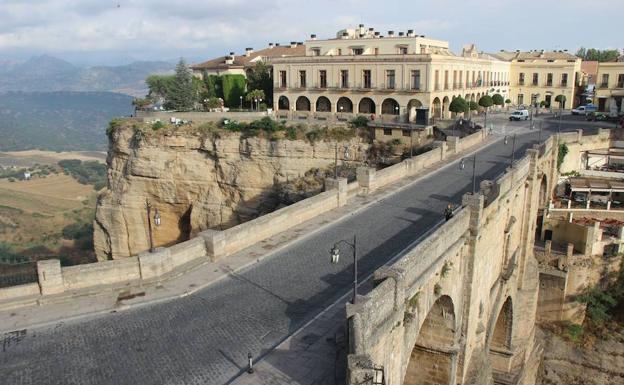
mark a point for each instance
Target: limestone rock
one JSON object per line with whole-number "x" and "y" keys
{"x": 196, "y": 182}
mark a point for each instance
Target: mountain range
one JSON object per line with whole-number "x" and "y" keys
{"x": 48, "y": 74}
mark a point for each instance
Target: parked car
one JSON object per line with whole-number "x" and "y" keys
{"x": 519, "y": 115}
{"x": 584, "y": 110}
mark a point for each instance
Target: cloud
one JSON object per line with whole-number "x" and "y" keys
{"x": 163, "y": 28}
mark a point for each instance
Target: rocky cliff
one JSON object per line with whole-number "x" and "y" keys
{"x": 197, "y": 180}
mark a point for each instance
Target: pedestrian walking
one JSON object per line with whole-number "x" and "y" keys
{"x": 448, "y": 212}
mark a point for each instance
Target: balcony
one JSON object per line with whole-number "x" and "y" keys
{"x": 564, "y": 84}
{"x": 604, "y": 85}
{"x": 620, "y": 85}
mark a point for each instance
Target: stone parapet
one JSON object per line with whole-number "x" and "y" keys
{"x": 50, "y": 276}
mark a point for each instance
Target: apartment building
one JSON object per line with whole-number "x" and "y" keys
{"x": 402, "y": 76}
{"x": 540, "y": 75}
{"x": 610, "y": 86}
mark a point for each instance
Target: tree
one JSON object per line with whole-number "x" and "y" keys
{"x": 498, "y": 100}
{"x": 508, "y": 102}
{"x": 473, "y": 105}
{"x": 182, "y": 95}
{"x": 593, "y": 54}
{"x": 254, "y": 94}
{"x": 259, "y": 78}
{"x": 159, "y": 85}
{"x": 459, "y": 105}
{"x": 486, "y": 102}
{"x": 233, "y": 89}
{"x": 561, "y": 99}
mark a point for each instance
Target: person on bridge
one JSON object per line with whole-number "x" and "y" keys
{"x": 448, "y": 212}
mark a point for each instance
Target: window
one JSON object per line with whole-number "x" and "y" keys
{"x": 454, "y": 79}
{"x": 437, "y": 80}
{"x": 403, "y": 50}
{"x": 405, "y": 132}
{"x": 323, "y": 78}
{"x": 366, "y": 74}
{"x": 520, "y": 99}
{"x": 521, "y": 79}
{"x": 549, "y": 79}
{"x": 564, "y": 80}
{"x": 605, "y": 80}
{"x": 387, "y": 131}
{"x": 339, "y": 51}
{"x": 535, "y": 78}
{"x": 376, "y": 51}
{"x": 520, "y": 60}
{"x": 282, "y": 79}
{"x": 446, "y": 80}
{"x": 302, "y": 79}
{"x": 357, "y": 51}
{"x": 390, "y": 79}
{"x": 416, "y": 79}
{"x": 344, "y": 78}
{"x": 550, "y": 61}
{"x": 620, "y": 83}
{"x": 316, "y": 52}
{"x": 467, "y": 79}
{"x": 461, "y": 78}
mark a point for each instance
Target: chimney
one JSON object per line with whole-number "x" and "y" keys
{"x": 345, "y": 35}
{"x": 277, "y": 44}
{"x": 293, "y": 44}
{"x": 361, "y": 25}
{"x": 401, "y": 34}
{"x": 377, "y": 34}
{"x": 270, "y": 45}
{"x": 313, "y": 37}
{"x": 390, "y": 33}
{"x": 229, "y": 59}
{"x": 371, "y": 29}
{"x": 422, "y": 35}
{"x": 248, "y": 51}
{"x": 410, "y": 32}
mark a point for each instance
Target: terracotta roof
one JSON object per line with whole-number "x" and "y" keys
{"x": 241, "y": 61}
{"x": 589, "y": 67}
{"x": 534, "y": 55}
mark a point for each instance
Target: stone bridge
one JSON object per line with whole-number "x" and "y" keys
{"x": 460, "y": 307}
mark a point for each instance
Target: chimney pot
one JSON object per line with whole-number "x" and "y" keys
{"x": 401, "y": 33}
{"x": 390, "y": 33}
{"x": 410, "y": 31}
{"x": 371, "y": 29}
{"x": 231, "y": 53}
{"x": 313, "y": 36}
{"x": 377, "y": 33}
{"x": 361, "y": 25}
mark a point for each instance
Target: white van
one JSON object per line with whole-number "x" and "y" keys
{"x": 519, "y": 115}
{"x": 584, "y": 110}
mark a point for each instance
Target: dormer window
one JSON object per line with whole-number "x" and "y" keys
{"x": 357, "y": 51}
{"x": 402, "y": 50}
{"x": 316, "y": 52}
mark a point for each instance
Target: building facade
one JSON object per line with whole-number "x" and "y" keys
{"x": 610, "y": 86}
{"x": 409, "y": 78}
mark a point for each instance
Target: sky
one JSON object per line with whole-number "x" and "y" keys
{"x": 89, "y": 32}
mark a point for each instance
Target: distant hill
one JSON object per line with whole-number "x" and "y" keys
{"x": 58, "y": 120}
{"x": 47, "y": 73}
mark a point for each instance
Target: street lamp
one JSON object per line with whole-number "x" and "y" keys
{"x": 241, "y": 102}
{"x": 462, "y": 166}
{"x": 335, "y": 256}
{"x": 396, "y": 109}
{"x": 256, "y": 103}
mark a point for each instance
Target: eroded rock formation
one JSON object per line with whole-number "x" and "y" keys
{"x": 197, "y": 181}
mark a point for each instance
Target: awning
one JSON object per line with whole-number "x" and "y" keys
{"x": 595, "y": 185}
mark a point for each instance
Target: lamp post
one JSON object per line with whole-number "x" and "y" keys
{"x": 336, "y": 161}
{"x": 335, "y": 256}
{"x": 157, "y": 218}
{"x": 462, "y": 166}
{"x": 259, "y": 101}
{"x": 255, "y": 103}
{"x": 396, "y": 109}
{"x": 341, "y": 110}
{"x": 241, "y": 102}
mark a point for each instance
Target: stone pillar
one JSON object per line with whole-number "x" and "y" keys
{"x": 340, "y": 185}
{"x": 442, "y": 146}
{"x": 548, "y": 248}
{"x": 153, "y": 265}
{"x": 452, "y": 143}
{"x": 215, "y": 244}
{"x": 50, "y": 276}
{"x": 608, "y": 205}
{"x": 366, "y": 178}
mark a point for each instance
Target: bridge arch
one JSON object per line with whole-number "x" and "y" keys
{"x": 431, "y": 359}
{"x": 501, "y": 335}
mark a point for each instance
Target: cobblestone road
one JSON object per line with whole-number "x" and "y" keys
{"x": 204, "y": 338}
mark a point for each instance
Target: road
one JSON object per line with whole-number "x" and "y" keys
{"x": 204, "y": 338}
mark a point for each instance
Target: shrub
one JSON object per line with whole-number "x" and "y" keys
{"x": 575, "y": 332}
{"x": 359, "y": 121}
{"x": 396, "y": 142}
{"x": 158, "y": 125}
{"x": 233, "y": 89}
{"x": 498, "y": 99}
{"x": 599, "y": 304}
{"x": 341, "y": 134}
{"x": 266, "y": 124}
{"x": 314, "y": 135}
{"x": 291, "y": 133}
{"x": 563, "y": 151}
{"x": 113, "y": 125}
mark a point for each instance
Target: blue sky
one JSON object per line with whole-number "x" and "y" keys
{"x": 120, "y": 31}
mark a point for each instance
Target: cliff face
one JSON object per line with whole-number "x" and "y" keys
{"x": 196, "y": 182}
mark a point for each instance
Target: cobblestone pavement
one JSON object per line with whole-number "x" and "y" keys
{"x": 204, "y": 338}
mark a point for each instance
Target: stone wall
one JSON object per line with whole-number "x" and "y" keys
{"x": 478, "y": 261}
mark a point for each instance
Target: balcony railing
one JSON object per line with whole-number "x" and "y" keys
{"x": 620, "y": 85}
